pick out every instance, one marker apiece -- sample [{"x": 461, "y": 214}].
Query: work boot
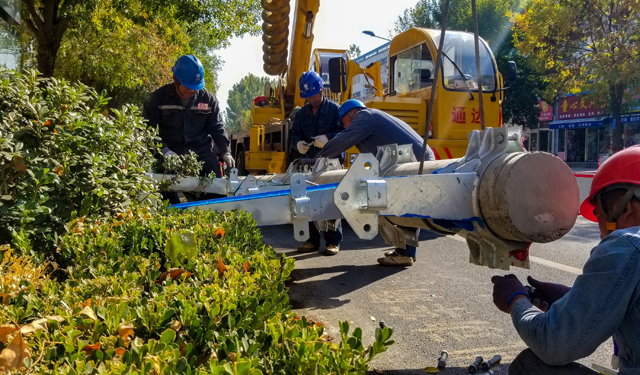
[
  {"x": 308, "y": 247},
  {"x": 332, "y": 249},
  {"x": 396, "y": 260},
  {"x": 392, "y": 253}
]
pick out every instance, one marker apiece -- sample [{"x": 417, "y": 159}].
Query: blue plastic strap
[{"x": 514, "y": 295}]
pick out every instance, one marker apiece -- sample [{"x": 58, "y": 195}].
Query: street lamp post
[{"x": 370, "y": 33}]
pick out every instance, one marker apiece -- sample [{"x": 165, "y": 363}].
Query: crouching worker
[{"x": 560, "y": 324}]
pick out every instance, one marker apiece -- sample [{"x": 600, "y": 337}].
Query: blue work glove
[
  {"x": 545, "y": 294},
  {"x": 505, "y": 291}
]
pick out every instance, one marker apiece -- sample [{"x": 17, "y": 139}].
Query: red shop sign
[
  {"x": 571, "y": 107},
  {"x": 546, "y": 111}
]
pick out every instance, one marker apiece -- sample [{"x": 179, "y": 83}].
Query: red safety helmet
[{"x": 621, "y": 168}]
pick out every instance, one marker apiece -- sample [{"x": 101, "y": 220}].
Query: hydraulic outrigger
[{"x": 499, "y": 197}]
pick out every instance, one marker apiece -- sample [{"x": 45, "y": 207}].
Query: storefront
[
  {"x": 581, "y": 141},
  {"x": 581, "y": 133},
  {"x": 539, "y": 138}
]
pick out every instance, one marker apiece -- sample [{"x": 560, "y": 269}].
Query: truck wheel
[{"x": 240, "y": 164}]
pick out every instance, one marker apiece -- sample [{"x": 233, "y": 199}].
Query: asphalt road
[{"x": 441, "y": 302}]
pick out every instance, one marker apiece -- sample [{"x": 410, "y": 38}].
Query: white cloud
[{"x": 338, "y": 24}]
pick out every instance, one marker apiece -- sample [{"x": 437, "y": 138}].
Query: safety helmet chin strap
[{"x": 611, "y": 219}]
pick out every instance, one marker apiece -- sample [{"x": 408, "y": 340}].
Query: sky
[{"x": 338, "y": 24}]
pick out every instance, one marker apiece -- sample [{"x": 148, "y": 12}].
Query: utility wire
[{"x": 443, "y": 28}]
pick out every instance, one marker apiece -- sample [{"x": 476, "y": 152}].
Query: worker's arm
[
  {"x": 215, "y": 127},
  {"x": 590, "y": 313},
  {"x": 361, "y": 127}
]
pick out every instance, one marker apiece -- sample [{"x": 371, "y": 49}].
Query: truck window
[
  {"x": 460, "y": 48},
  {"x": 412, "y": 69}
]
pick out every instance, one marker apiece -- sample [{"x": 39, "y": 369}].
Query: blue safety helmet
[
  {"x": 189, "y": 71},
  {"x": 310, "y": 84},
  {"x": 349, "y": 105}
]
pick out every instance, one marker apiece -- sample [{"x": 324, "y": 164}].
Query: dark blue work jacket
[
  {"x": 372, "y": 128},
  {"x": 188, "y": 128},
  {"x": 306, "y": 125}
]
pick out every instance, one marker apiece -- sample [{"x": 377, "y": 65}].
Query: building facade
[{"x": 580, "y": 132}]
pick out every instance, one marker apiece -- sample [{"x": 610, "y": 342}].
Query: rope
[
  {"x": 478, "y": 67},
  {"x": 443, "y": 28}
]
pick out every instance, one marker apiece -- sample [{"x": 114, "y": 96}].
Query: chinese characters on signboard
[
  {"x": 546, "y": 111},
  {"x": 572, "y": 107}
]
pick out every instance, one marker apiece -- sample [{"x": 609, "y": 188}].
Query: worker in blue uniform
[
  {"x": 188, "y": 118},
  {"x": 313, "y": 126},
  {"x": 368, "y": 128}
]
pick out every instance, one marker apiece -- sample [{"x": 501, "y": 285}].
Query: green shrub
[
  {"x": 125, "y": 309},
  {"x": 62, "y": 157}
]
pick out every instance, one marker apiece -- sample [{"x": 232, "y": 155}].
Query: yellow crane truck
[{"x": 266, "y": 146}]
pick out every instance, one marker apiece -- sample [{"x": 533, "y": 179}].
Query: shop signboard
[
  {"x": 578, "y": 106},
  {"x": 546, "y": 111}
]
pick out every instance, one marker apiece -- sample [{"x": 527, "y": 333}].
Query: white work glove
[
  {"x": 303, "y": 147},
  {"x": 320, "y": 140},
  {"x": 167, "y": 152},
  {"x": 229, "y": 160}
]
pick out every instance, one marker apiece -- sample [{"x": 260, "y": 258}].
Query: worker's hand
[
  {"x": 166, "y": 151},
  {"x": 545, "y": 294},
  {"x": 301, "y": 162},
  {"x": 320, "y": 140},
  {"x": 303, "y": 147},
  {"x": 228, "y": 159},
  {"x": 506, "y": 290}
]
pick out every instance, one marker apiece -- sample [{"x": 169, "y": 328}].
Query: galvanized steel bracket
[
  {"x": 300, "y": 206},
  {"x": 391, "y": 155},
  {"x": 359, "y": 197}
]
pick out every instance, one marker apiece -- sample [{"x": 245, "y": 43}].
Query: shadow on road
[{"x": 310, "y": 290}]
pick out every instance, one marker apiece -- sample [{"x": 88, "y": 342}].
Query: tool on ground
[
  {"x": 442, "y": 361},
  {"x": 475, "y": 366},
  {"x": 486, "y": 365}
]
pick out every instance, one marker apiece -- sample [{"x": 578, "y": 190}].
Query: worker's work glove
[
  {"x": 301, "y": 162},
  {"x": 303, "y": 147},
  {"x": 320, "y": 140},
  {"x": 166, "y": 151},
  {"x": 545, "y": 294},
  {"x": 228, "y": 160},
  {"x": 505, "y": 291}
]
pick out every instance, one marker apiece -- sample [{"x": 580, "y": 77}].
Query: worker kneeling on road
[
  {"x": 561, "y": 324},
  {"x": 314, "y": 125},
  {"x": 188, "y": 117},
  {"x": 368, "y": 128}
]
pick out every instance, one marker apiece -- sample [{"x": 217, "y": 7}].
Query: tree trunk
[
  {"x": 616, "y": 92},
  {"x": 47, "y": 28}
]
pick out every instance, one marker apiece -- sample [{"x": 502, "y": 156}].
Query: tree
[
  {"x": 585, "y": 46},
  {"x": 238, "y": 112},
  {"x": 128, "y": 46},
  {"x": 354, "y": 50},
  {"x": 494, "y": 26}
]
